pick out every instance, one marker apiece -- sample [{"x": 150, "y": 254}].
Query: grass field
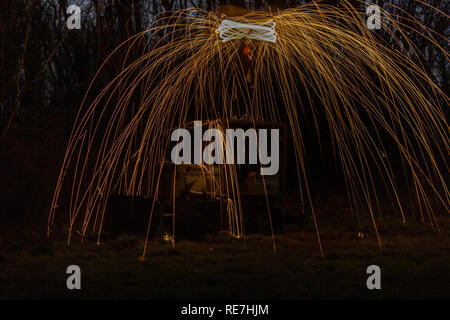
[{"x": 415, "y": 263}]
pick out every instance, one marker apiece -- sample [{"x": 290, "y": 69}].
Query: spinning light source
[{"x": 232, "y": 30}]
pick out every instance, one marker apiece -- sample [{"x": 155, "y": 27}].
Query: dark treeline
[
  {"x": 44, "y": 66},
  {"x": 45, "y": 70}
]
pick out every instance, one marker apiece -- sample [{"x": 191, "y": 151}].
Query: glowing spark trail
[{"x": 192, "y": 68}]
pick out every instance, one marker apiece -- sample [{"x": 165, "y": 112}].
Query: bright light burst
[{"x": 366, "y": 90}]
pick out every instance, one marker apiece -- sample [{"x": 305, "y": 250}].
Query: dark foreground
[{"x": 415, "y": 263}]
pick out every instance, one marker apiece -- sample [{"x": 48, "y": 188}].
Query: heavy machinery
[{"x": 235, "y": 198}]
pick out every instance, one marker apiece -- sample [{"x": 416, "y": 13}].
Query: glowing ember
[{"x": 327, "y": 51}]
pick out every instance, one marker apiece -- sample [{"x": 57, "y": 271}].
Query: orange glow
[{"x": 355, "y": 77}]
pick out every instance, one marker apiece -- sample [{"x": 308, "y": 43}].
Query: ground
[{"x": 415, "y": 263}]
